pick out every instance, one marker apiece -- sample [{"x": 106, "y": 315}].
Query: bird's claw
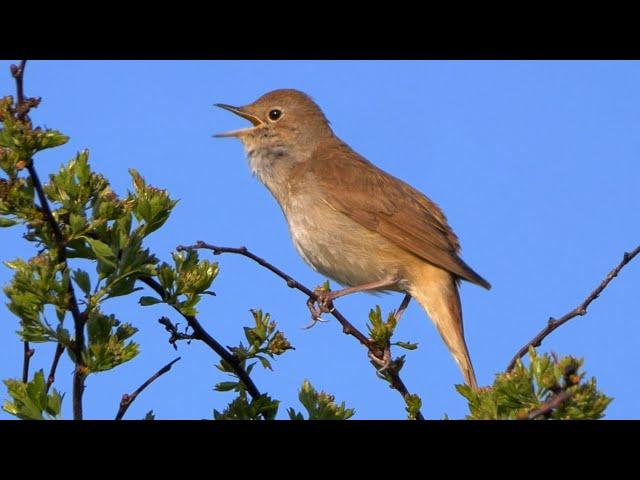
[
  {"x": 324, "y": 300},
  {"x": 314, "y": 320},
  {"x": 383, "y": 362},
  {"x": 316, "y": 313}
]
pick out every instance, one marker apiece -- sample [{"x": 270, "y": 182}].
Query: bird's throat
[{"x": 272, "y": 165}]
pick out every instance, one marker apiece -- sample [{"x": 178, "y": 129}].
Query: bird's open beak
[{"x": 242, "y": 113}]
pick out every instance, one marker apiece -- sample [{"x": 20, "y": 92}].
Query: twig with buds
[
  {"x": 127, "y": 399},
  {"x": 580, "y": 310},
  {"x": 347, "y": 327},
  {"x": 23, "y": 106}
]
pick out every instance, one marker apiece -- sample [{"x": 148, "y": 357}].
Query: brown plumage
[
  {"x": 350, "y": 220},
  {"x": 387, "y": 205}
]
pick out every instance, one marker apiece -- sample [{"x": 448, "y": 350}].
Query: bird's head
[{"x": 285, "y": 114}]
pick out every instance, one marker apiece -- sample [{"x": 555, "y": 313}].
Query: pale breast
[
  {"x": 330, "y": 242},
  {"x": 339, "y": 248}
]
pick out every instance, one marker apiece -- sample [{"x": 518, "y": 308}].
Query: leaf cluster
[
  {"x": 527, "y": 388},
  {"x": 31, "y": 401},
  {"x": 381, "y": 331},
  {"x": 184, "y": 283},
  {"x": 89, "y": 222},
  {"x": 319, "y": 405},
  {"x": 263, "y": 340}
]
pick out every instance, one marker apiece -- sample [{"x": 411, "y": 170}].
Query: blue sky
[{"x": 535, "y": 163}]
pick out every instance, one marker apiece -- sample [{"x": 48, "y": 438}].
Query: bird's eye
[{"x": 275, "y": 114}]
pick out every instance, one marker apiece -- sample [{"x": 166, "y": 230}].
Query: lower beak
[{"x": 240, "y": 112}]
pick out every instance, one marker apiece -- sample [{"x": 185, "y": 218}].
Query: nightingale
[{"x": 350, "y": 220}]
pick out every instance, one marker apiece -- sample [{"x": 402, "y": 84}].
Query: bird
[{"x": 350, "y": 220}]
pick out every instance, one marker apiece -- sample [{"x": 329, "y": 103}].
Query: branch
[
  {"x": 127, "y": 400},
  {"x": 22, "y": 110},
  {"x": 18, "y": 74},
  {"x": 54, "y": 365},
  {"x": 175, "y": 334},
  {"x": 578, "y": 311},
  {"x": 348, "y": 328},
  {"x": 28, "y": 353},
  {"x": 550, "y": 405},
  {"x": 201, "y": 334}
]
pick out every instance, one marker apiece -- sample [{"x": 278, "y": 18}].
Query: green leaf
[
  {"x": 414, "y": 404},
  {"x": 146, "y": 301},
  {"x": 166, "y": 276},
  {"x": 35, "y": 284},
  {"x": 278, "y": 344},
  {"x": 406, "y": 345},
  {"x": 30, "y": 401},
  {"x": 321, "y": 405},
  {"x": 82, "y": 279},
  {"x": 5, "y": 222},
  {"x": 77, "y": 223},
  {"x": 293, "y": 415},
  {"x": 515, "y": 394},
  {"x": 379, "y": 330},
  {"x": 103, "y": 253},
  {"x": 152, "y": 205},
  {"x": 225, "y": 386},
  {"x": 106, "y": 347},
  {"x": 241, "y": 409},
  {"x": 265, "y": 363},
  {"x": 50, "y": 139}
]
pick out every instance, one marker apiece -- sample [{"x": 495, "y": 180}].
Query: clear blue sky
[{"x": 536, "y": 164}]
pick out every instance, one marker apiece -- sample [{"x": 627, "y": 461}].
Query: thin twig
[
  {"x": 398, "y": 385},
  {"x": 201, "y": 334},
  {"x": 22, "y": 109},
  {"x": 578, "y": 311},
  {"x": 348, "y": 328},
  {"x": 550, "y": 405},
  {"x": 54, "y": 365},
  {"x": 127, "y": 400},
  {"x": 18, "y": 74},
  {"x": 175, "y": 334},
  {"x": 28, "y": 353}
]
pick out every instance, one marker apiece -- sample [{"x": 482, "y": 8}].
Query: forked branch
[
  {"x": 201, "y": 334},
  {"x": 347, "y": 327},
  {"x": 23, "y": 106}
]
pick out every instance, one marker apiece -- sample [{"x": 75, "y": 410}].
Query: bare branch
[
  {"x": 23, "y": 104},
  {"x": 127, "y": 400},
  {"x": 22, "y": 109},
  {"x": 578, "y": 311},
  {"x": 28, "y": 353},
  {"x": 54, "y": 365},
  {"x": 550, "y": 405},
  {"x": 348, "y": 328},
  {"x": 201, "y": 334},
  {"x": 175, "y": 334}
]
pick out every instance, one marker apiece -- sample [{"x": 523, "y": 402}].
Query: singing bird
[{"x": 350, "y": 220}]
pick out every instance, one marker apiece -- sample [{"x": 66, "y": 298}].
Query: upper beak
[{"x": 242, "y": 113}]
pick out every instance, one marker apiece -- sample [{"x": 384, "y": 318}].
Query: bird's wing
[{"x": 386, "y": 205}]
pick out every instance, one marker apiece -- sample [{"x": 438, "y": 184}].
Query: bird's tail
[{"x": 437, "y": 291}]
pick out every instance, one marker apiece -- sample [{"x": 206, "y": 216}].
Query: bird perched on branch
[{"x": 350, "y": 220}]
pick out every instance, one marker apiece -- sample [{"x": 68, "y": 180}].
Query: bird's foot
[
  {"x": 324, "y": 301},
  {"x": 316, "y": 312},
  {"x": 383, "y": 362}
]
